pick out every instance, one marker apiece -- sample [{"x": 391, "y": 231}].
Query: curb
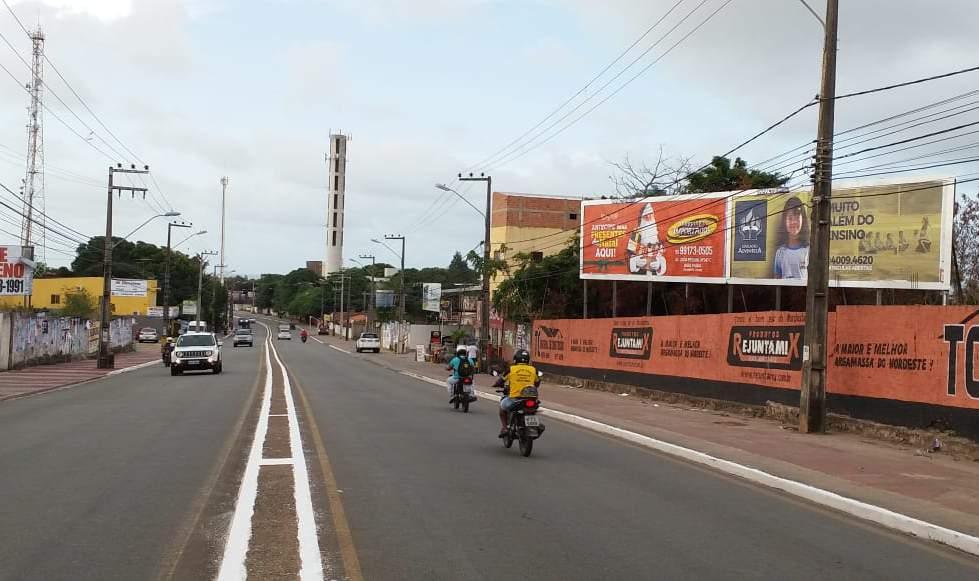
[{"x": 862, "y": 510}]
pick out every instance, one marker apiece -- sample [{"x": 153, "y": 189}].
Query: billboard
[
  {"x": 431, "y": 296},
  {"x": 668, "y": 238},
  {"x": 881, "y": 236},
  {"x": 16, "y": 271},
  {"x": 128, "y": 287},
  {"x": 384, "y": 299}
]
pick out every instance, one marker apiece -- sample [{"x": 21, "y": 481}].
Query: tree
[
  {"x": 459, "y": 271},
  {"x": 549, "y": 288},
  {"x": 662, "y": 177},
  {"x": 965, "y": 245},
  {"x": 79, "y": 304},
  {"x": 721, "y": 176}
]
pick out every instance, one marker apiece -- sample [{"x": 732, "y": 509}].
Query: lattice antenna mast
[{"x": 34, "y": 178}]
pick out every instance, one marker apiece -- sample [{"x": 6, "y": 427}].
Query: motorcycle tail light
[{"x": 531, "y": 403}]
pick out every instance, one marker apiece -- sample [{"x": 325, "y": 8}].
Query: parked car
[
  {"x": 369, "y": 342},
  {"x": 322, "y": 330},
  {"x": 244, "y": 337},
  {"x": 148, "y": 335},
  {"x": 196, "y": 352}
]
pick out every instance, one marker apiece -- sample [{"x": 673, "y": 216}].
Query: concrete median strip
[
  {"x": 242, "y": 533},
  {"x": 886, "y": 518}
]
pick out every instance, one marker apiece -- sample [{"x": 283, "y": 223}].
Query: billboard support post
[
  {"x": 812, "y": 403},
  {"x": 649, "y": 298},
  {"x": 584, "y": 298},
  {"x": 615, "y": 298}
]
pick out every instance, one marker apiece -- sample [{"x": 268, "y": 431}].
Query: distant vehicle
[
  {"x": 284, "y": 333},
  {"x": 244, "y": 323},
  {"x": 197, "y": 327},
  {"x": 196, "y": 352},
  {"x": 148, "y": 335},
  {"x": 322, "y": 330},
  {"x": 369, "y": 342},
  {"x": 244, "y": 337}
]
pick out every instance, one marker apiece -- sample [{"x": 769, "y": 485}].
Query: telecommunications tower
[{"x": 33, "y": 190}]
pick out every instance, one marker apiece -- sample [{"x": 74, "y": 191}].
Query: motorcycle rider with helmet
[
  {"x": 460, "y": 365},
  {"x": 520, "y": 376}
]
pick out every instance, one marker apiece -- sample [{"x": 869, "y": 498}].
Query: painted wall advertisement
[
  {"x": 673, "y": 238},
  {"x": 128, "y": 287},
  {"x": 431, "y": 296},
  {"x": 928, "y": 358},
  {"x": 16, "y": 271},
  {"x": 881, "y": 236}
]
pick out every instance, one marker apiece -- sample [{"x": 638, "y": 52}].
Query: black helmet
[{"x": 521, "y": 356}]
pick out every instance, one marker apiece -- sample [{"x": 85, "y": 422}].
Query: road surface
[{"x": 137, "y": 476}]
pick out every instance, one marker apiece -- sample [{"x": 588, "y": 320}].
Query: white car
[
  {"x": 369, "y": 342},
  {"x": 284, "y": 334},
  {"x": 196, "y": 352},
  {"x": 148, "y": 335}
]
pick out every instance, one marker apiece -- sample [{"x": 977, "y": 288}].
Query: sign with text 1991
[{"x": 16, "y": 271}]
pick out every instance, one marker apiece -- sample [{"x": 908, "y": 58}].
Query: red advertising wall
[{"x": 910, "y": 354}]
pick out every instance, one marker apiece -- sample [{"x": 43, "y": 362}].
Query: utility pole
[
  {"x": 401, "y": 307},
  {"x": 34, "y": 179},
  {"x": 812, "y": 404},
  {"x": 371, "y": 306},
  {"x": 106, "y": 359},
  {"x": 484, "y": 310},
  {"x": 166, "y": 275},
  {"x": 200, "y": 281},
  {"x": 224, "y": 190}
]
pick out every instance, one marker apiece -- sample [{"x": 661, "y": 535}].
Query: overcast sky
[{"x": 252, "y": 88}]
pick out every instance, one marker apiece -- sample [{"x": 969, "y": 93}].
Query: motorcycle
[
  {"x": 303, "y": 337},
  {"x": 463, "y": 396},
  {"x": 523, "y": 425},
  {"x": 166, "y": 356}
]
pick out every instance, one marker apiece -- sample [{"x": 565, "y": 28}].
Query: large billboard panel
[
  {"x": 16, "y": 271},
  {"x": 674, "y": 238},
  {"x": 431, "y": 296},
  {"x": 881, "y": 236}
]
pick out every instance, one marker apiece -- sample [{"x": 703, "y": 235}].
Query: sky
[{"x": 251, "y": 89}]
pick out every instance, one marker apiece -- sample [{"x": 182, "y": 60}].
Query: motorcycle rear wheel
[
  {"x": 526, "y": 446},
  {"x": 465, "y": 403},
  {"x": 508, "y": 440}
]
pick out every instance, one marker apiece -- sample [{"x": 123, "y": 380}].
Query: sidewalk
[
  {"x": 935, "y": 488},
  {"x": 40, "y": 378}
]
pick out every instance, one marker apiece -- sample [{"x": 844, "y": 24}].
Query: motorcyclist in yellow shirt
[{"x": 520, "y": 376}]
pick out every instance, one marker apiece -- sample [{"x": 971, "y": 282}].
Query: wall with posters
[
  {"x": 31, "y": 339},
  {"x": 901, "y": 365},
  {"x": 882, "y": 236}
]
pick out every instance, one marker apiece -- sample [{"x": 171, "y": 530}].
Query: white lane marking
[
  {"x": 862, "y": 510},
  {"x": 240, "y": 532},
  {"x": 135, "y": 367},
  {"x": 317, "y": 340},
  {"x": 278, "y": 462},
  {"x": 339, "y": 349},
  {"x": 278, "y": 415},
  {"x": 311, "y": 564}
]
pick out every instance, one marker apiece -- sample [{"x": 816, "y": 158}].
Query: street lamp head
[
  {"x": 171, "y": 214},
  {"x": 442, "y": 187},
  {"x": 375, "y": 241},
  {"x": 201, "y": 232}
]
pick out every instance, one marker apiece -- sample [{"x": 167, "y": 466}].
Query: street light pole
[
  {"x": 106, "y": 359},
  {"x": 371, "y": 311},
  {"x": 484, "y": 311},
  {"x": 200, "y": 282},
  {"x": 401, "y": 307},
  {"x": 166, "y": 275}
]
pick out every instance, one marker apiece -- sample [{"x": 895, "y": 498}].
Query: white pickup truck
[{"x": 369, "y": 342}]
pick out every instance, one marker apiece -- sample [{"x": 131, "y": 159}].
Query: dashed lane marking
[{"x": 340, "y": 349}]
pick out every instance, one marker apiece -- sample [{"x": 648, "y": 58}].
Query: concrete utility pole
[
  {"x": 106, "y": 359},
  {"x": 371, "y": 308},
  {"x": 401, "y": 307},
  {"x": 812, "y": 405},
  {"x": 166, "y": 275},
  {"x": 200, "y": 282},
  {"x": 484, "y": 311},
  {"x": 224, "y": 191}
]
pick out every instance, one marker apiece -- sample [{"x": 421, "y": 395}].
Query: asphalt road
[
  {"x": 101, "y": 481},
  {"x": 107, "y": 480},
  {"x": 432, "y": 494}
]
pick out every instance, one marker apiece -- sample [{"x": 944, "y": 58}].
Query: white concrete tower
[{"x": 337, "y": 160}]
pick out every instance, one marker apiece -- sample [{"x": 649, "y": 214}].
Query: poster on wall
[
  {"x": 128, "y": 287},
  {"x": 431, "y": 296},
  {"x": 16, "y": 271},
  {"x": 881, "y": 236},
  {"x": 668, "y": 238}
]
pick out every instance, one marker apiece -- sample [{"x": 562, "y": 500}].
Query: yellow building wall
[
  {"x": 511, "y": 237},
  {"x": 50, "y": 293}
]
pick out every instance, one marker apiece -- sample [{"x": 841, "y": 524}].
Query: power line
[{"x": 907, "y": 83}]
